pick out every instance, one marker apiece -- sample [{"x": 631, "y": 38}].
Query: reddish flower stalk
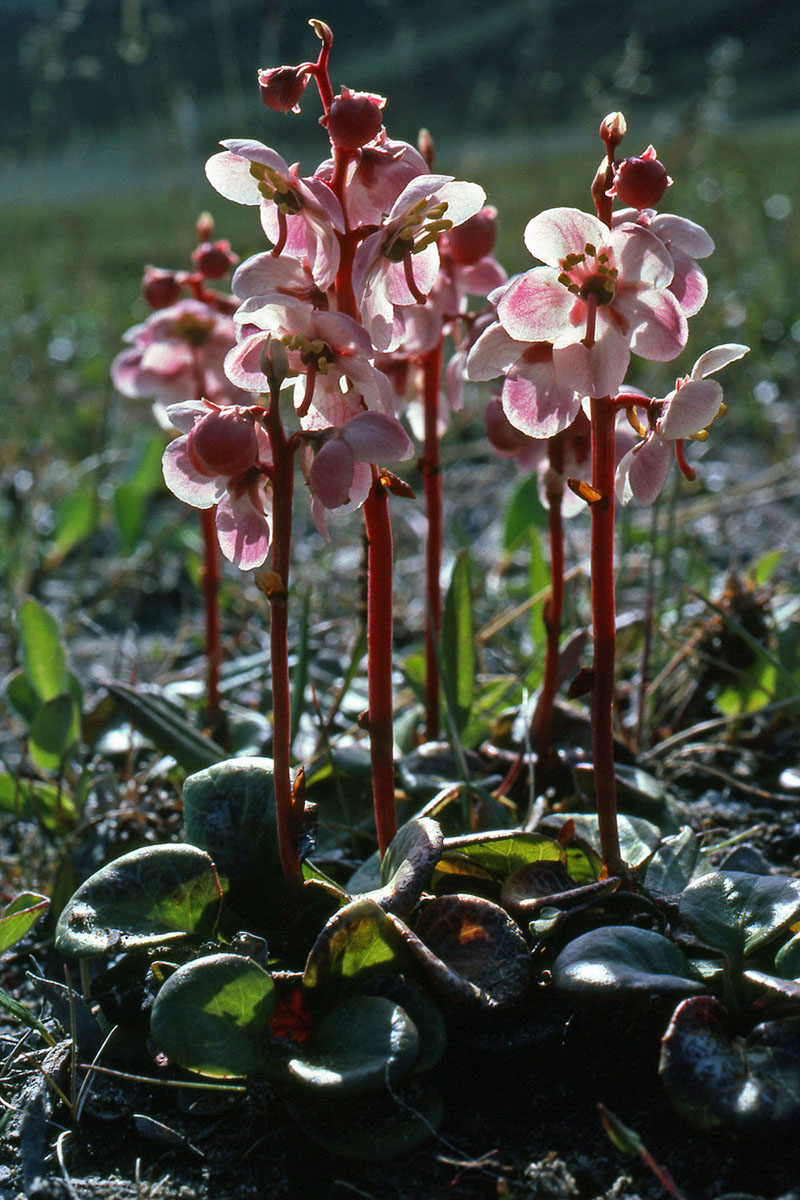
[
  {"x": 379, "y": 659},
  {"x": 553, "y": 613},
  {"x": 277, "y": 589},
  {"x": 432, "y": 477},
  {"x": 212, "y": 575},
  {"x": 603, "y": 417}
]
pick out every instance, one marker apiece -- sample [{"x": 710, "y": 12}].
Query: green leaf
[
  {"x": 408, "y": 865},
  {"x": 150, "y": 897},
  {"x": 503, "y": 853},
  {"x": 358, "y": 941},
  {"x": 787, "y": 960},
  {"x": 42, "y": 654},
  {"x": 765, "y": 565},
  {"x": 164, "y": 723},
  {"x": 371, "y": 1127},
  {"x": 459, "y": 663},
  {"x": 736, "y": 912},
  {"x": 54, "y": 731},
  {"x": 673, "y": 863},
  {"x": 130, "y": 498},
  {"x": 525, "y": 510},
  {"x": 18, "y": 916},
  {"x": 20, "y": 1013},
  {"x": 300, "y": 672},
  {"x": 614, "y": 960},
  {"x": 77, "y": 520},
  {"x": 359, "y": 1045},
  {"x": 212, "y": 1016},
  {"x": 638, "y": 838},
  {"x": 21, "y": 696}
]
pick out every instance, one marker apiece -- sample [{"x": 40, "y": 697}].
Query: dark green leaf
[
  {"x": 736, "y": 912},
  {"x": 359, "y": 1045},
  {"x": 524, "y": 510},
  {"x": 357, "y": 942},
  {"x": 165, "y": 725},
  {"x": 21, "y": 696},
  {"x": 212, "y": 1016},
  {"x": 613, "y": 960}
]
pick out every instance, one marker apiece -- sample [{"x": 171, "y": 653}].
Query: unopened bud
[
  {"x": 322, "y": 31},
  {"x": 505, "y": 437},
  {"x": 354, "y": 119},
  {"x": 224, "y": 443},
  {"x": 214, "y": 259},
  {"x": 473, "y": 239},
  {"x": 426, "y": 147},
  {"x": 612, "y": 130},
  {"x": 640, "y": 182},
  {"x": 204, "y": 227},
  {"x": 282, "y": 87},
  {"x": 160, "y": 288}
]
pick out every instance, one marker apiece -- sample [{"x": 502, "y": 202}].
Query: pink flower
[
  {"x": 223, "y": 457},
  {"x": 626, "y": 271},
  {"x": 398, "y": 265},
  {"x": 687, "y": 412},
  {"x": 686, "y": 242},
  {"x": 178, "y": 354},
  {"x": 301, "y": 217},
  {"x": 340, "y": 473},
  {"x": 330, "y": 352},
  {"x": 376, "y": 175}
]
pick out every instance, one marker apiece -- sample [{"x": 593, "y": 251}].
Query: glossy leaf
[
  {"x": 502, "y": 853},
  {"x": 150, "y": 897},
  {"x": 787, "y": 960},
  {"x": 357, "y": 942},
  {"x": 673, "y": 864},
  {"x": 212, "y": 1016},
  {"x": 408, "y": 865},
  {"x": 19, "y": 915},
  {"x": 359, "y": 1045},
  {"x": 736, "y": 912},
  {"x": 618, "y": 959},
  {"x": 166, "y": 726},
  {"x": 638, "y": 838},
  {"x": 718, "y": 1080}
]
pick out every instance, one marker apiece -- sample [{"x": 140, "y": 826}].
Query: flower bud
[
  {"x": 282, "y": 87},
  {"x": 160, "y": 288},
  {"x": 223, "y": 443},
  {"x": 214, "y": 259},
  {"x": 640, "y": 182},
  {"x": 354, "y": 118},
  {"x": 204, "y": 227},
  {"x": 612, "y": 130},
  {"x": 426, "y": 147},
  {"x": 273, "y": 362},
  {"x": 473, "y": 239}
]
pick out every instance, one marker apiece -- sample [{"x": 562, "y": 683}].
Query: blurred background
[{"x": 109, "y": 108}]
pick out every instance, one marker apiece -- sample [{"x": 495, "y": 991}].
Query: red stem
[
  {"x": 430, "y": 465},
  {"x": 379, "y": 659},
  {"x": 604, "y": 624},
  {"x": 553, "y": 611},
  {"x": 211, "y": 575},
  {"x": 282, "y": 483}
]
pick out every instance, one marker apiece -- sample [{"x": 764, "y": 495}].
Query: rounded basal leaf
[
  {"x": 18, "y": 916},
  {"x": 426, "y": 1015},
  {"x": 736, "y": 912},
  {"x": 502, "y": 853},
  {"x": 146, "y": 898},
  {"x": 211, "y": 1016},
  {"x": 637, "y": 838},
  {"x": 357, "y": 942},
  {"x": 717, "y": 1080},
  {"x": 477, "y": 943},
  {"x": 362, "y": 1044},
  {"x": 673, "y": 863},
  {"x": 524, "y": 890},
  {"x": 229, "y": 811},
  {"x": 616, "y": 959},
  {"x": 373, "y": 1127},
  {"x": 787, "y": 960},
  {"x": 408, "y": 865}
]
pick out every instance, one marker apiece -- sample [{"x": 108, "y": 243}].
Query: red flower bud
[
  {"x": 214, "y": 259},
  {"x": 640, "y": 182},
  {"x": 160, "y": 288},
  {"x": 471, "y": 241},
  {"x": 223, "y": 443},
  {"x": 282, "y": 87},
  {"x": 354, "y": 119}
]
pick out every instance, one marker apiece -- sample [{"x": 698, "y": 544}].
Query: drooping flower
[
  {"x": 640, "y": 181},
  {"x": 687, "y": 412},
  {"x": 178, "y": 354},
  {"x": 330, "y": 352},
  {"x": 686, "y": 242},
  {"x": 301, "y": 217},
  {"x": 398, "y": 264},
  {"x": 223, "y": 458},
  {"x": 354, "y": 119},
  {"x": 625, "y": 272},
  {"x": 376, "y": 175},
  {"x": 339, "y": 474}
]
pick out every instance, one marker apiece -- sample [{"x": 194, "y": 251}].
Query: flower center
[
  {"x": 421, "y": 227},
  {"x": 589, "y": 274},
  {"x": 276, "y": 187},
  {"x": 313, "y": 351},
  {"x": 194, "y": 330}
]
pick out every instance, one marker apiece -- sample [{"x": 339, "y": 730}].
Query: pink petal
[
  {"x": 717, "y": 358},
  {"x": 659, "y": 329},
  {"x": 595, "y": 371},
  {"x": 643, "y": 471},
  {"x": 689, "y": 285},
  {"x": 561, "y": 231},
  {"x": 693, "y": 407},
  {"x": 537, "y": 405},
  {"x": 185, "y": 481},
  {"x": 640, "y": 256},
  {"x": 375, "y": 437},
  {"x": 185, "y": 416},
  {"x": 331, "y": 473},
  {"x": 126, "y": 372},
  {"x": 243, "y": 531},
  {"x": 463, "y": 200},
  {"x": 415, "y": 190},
  {"x": 536, "y": 307},
  {"x": 481, "y": 278},
  {"x": 692, "y": 239},
  {"x": 493, "y": 353}
]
